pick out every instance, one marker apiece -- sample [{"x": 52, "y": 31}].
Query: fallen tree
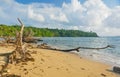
[
  {"x": 44, "y": 46},
  {"x": 20, "y": 54}
]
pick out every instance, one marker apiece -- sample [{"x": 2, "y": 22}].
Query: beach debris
[
  {"x": 11, "y": 75},
  {"x": 4, "y": 63},
  {"x": 7, "y": 39},
  {"x": 116, "y": 69},
  {"x": 44, "y": 46},
  {"x": 28, "y": 37},
  {"x": 20, "y": 54}
]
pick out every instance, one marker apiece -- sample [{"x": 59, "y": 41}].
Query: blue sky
[
  {"x": 110, "y": 3},
  {"x": 55, "y": 2},
  {"x": 100, "y": 16}
]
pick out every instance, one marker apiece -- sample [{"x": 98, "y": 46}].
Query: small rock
[{"x": 116, "y": 69}]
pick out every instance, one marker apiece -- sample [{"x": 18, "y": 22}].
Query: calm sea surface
[{"x": 109, "y": 55}]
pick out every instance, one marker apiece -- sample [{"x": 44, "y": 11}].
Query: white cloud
[
  {"x": 35, "y": 16},
  {"x": 114, "y": 19},
  {"x": 11, "y": 10},
  {"x": 75, "y": 5},
  {"x": 60, "y": 17},
  {"x": 92, "y": 15},
  {"x": 96, "y": 12}
]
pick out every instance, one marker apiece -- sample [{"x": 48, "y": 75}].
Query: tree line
[{"x": 10, "y": 30}]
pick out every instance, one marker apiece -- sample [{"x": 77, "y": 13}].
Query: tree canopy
[{"x": 10, "y": 30}]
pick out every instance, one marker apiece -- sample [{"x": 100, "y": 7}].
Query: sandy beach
[{"x": 49, "y": 63}]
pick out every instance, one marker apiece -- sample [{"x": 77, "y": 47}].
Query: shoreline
[
  {"x": 101, "y": 58},
  {"x": 50, "y": 63}
]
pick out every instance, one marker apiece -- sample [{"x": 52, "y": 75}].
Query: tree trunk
[
  {"x": 44, "y": 46},
  {"x": 20, "y": 47},
  {"x": 19, "y": 36}
]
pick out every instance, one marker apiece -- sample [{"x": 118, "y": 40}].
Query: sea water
[{"x": 108, "y": 55}]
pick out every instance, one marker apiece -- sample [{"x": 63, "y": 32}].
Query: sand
[{"x": 49, "y": 63}]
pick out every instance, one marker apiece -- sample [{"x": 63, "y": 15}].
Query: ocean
[{"x": 108, "y": 55}]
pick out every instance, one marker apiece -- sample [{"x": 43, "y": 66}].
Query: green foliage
[{"x": 44, "y": 32}]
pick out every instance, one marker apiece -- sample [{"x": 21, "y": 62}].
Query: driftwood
[
  {"x": 31, "y": 40},
  {"x": 7, "y": 39},
  {"x": 10, "y": 75},
  {"x": 44, "y": 46},
  {"x": 6, "y": 54},
  {"x": 108, "y": 46},
  {"x": 5, "y": 62},
  {"x": 7, "y": 59},
  {"x": 28, "y": 37},
  {"x": 20, "y": 54},
  {"x": 20, "y": 47},
  {"x": 19, "y": 51},
  {"x": 68, "y": 50}
]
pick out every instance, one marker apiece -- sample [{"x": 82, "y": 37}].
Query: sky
[{"x": 100, "y": 16}]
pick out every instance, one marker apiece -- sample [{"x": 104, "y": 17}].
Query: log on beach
[
  {"x": 45, "y": 46},
  {"x": 67, "y": 50}
]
